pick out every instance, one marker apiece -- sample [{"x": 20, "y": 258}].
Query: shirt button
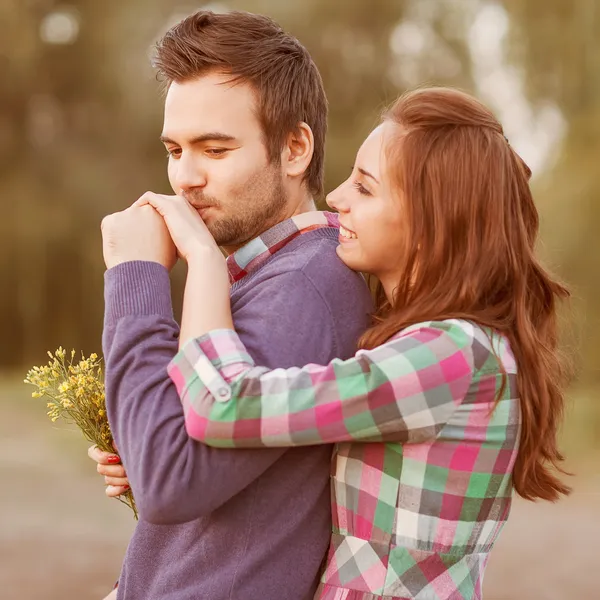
[{"x": 224, "y": 394}]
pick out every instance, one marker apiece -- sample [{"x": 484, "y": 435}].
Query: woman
[{"x": 455, "y": 397}]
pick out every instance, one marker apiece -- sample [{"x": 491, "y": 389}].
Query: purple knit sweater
[{"x": 220, "y": 524}]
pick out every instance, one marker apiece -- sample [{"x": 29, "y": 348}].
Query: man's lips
[{"x": 202, "y": 209}]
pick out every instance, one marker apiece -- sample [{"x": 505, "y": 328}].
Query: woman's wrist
[
  {"x": 205, "y": 255},
  {"x": 206, "y": 304}
]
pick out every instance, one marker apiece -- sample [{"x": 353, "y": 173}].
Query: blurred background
[{"x": 80, "y": 116}]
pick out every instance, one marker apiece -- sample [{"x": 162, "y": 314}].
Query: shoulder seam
[
  {"x": 319, "y": 242},
  {"x": 326, "y": 304}
]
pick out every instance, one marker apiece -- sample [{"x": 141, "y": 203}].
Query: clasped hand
[{"x": 157, "y": 228}]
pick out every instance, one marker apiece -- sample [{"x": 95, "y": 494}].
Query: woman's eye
[{"x": 361, "y": 189}]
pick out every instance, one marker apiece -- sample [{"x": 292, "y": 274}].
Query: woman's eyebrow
[{"x": 367, "y": 174}]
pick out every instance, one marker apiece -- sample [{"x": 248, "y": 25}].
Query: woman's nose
[{"x": 335, "y": 199}]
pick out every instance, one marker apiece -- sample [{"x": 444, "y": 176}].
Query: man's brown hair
[{"x": 253, "y": 49}]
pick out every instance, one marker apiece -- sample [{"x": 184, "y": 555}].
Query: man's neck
[{"x": 306, "y": 205}]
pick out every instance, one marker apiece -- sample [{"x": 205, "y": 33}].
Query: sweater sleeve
[{"x": 174, "y": 478}]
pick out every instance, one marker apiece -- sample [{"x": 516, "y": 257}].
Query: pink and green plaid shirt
[{"x": 421, "y": 473}]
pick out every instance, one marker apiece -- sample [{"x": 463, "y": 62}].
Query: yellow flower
[
  {"x": 36, "y": 395},
  {"x": 101, "y": 412},
  {"x": 64, "y": 387}
]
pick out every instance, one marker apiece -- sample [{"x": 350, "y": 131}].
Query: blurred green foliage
[{"x": 80, "y": 116}]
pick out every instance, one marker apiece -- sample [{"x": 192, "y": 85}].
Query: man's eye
[
  {"x": 216, "y": 151},
  {"x": 174, "y": 152}
]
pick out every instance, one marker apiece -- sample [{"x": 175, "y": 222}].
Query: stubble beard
[{"x": 256, "y": 206}]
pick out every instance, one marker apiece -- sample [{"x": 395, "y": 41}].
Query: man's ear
[{"x": 298, "y": 151}]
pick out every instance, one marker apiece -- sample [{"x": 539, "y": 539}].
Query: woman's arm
[
  {"x": 206, "y": 303},
  {"x": 402, "y": 391}
]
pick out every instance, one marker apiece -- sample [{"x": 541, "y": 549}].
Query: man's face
[{"x": 218, "y": 160}]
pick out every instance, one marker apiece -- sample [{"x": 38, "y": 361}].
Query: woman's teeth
[{"x": 347, "y": 234}]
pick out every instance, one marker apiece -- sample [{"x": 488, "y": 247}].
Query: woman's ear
[{"x": 298, "y": 151}]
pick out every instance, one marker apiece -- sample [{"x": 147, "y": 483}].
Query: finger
[
  {"x": 104, "y": 458},
  {"x": 112, "y": 595},
  {"x": 113, "y": 491},
  {"x": 111, "y": 471},
  {"x": 159, "y": 202},
  {"x": 144, "y": 199},
  {"x": 117, "y": 481}
]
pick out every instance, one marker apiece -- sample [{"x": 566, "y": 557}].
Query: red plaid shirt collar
[{"x": 251, "y": 256}]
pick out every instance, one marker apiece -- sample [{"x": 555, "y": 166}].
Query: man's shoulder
[
  {"x": 310, "y": 262},
  {"x": 328, "y": 273},
  {"x": 306, "y": 292},
  {"x": 313, "y": 255}
]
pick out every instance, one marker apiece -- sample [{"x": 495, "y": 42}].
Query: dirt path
[{"x": 60, "y": 538}]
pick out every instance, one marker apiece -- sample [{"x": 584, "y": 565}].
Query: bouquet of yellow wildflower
[{"x": 75, "y": 393}]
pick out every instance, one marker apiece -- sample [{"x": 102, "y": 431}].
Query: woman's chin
[{"x": 349, "y": 258}]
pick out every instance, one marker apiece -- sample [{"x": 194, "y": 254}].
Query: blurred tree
[
  {"x": 70, "y": 153},
  {"x": 80, "y": 114},
  {"x": 557, "y": 44}
]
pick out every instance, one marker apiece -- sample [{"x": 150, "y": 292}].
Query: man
[{"x": 244, "y": 127}]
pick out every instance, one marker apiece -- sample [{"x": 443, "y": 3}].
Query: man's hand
[
  {"x": 138, "y": 233},
  {"x": 187, "y": 229},
  {"x": 110, "y": 466}
]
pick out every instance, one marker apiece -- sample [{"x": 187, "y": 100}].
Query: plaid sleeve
[{"x": 404, "y": 390}]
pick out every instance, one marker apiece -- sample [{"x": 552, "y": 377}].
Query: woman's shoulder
[{"x": 486, "y": 346}]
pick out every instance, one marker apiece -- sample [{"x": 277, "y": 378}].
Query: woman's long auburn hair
[{"x": 470, "y": 231}]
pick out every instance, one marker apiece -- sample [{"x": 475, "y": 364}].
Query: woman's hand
[
  {"x": 206, "y": 299},
  {"x": 188, "y": 231},
  {"x": 110, "y": 466}
]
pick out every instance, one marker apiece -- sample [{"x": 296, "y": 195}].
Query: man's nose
[{"x": 188, "y": 174}]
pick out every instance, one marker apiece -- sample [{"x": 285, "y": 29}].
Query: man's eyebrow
[
  {"x": 212, "y": 136},
  {"x": 367, "y": 174}
]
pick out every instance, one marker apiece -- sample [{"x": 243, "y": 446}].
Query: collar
[{"x": 252, "y": 255}]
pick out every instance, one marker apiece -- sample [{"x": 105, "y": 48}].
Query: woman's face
[{"x": 370, "y": 219}]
